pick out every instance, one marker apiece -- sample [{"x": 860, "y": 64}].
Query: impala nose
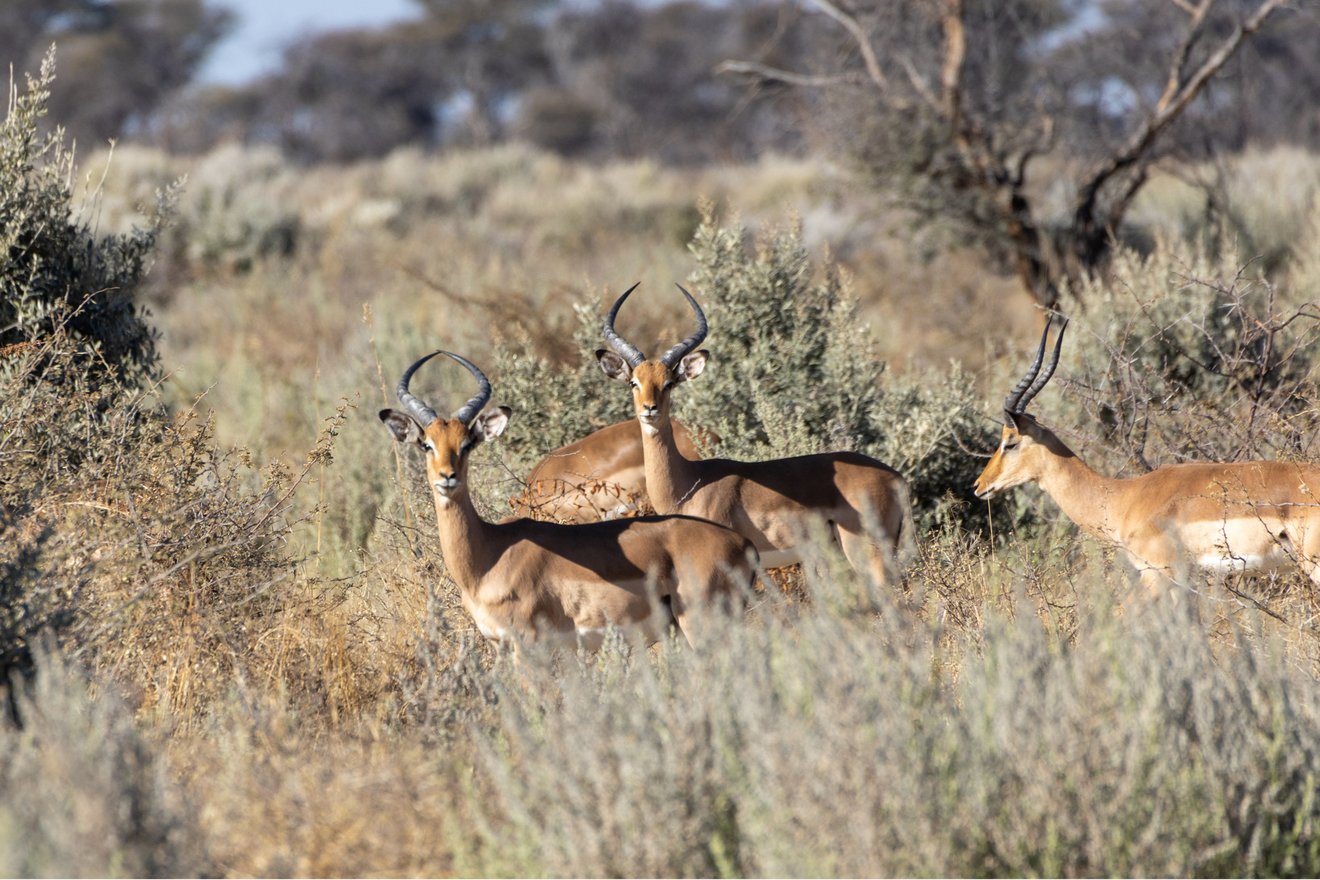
[{"x": 446, "y": 483}]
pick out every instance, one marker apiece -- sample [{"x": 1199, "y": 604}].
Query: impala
[
  {"x": 773, "y": 502},
  {"x": 533, "y": 579},
  {"x": 597, "y": 477},
  {"x": 1237, "y": 516}
]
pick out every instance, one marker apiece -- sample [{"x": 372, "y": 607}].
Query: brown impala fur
[
  {"x": 771, "y": 502},
  {"x": 538, "y": 579},
  {"x": 597, "y": 477},
  {"x": 1238, "y": 516}
]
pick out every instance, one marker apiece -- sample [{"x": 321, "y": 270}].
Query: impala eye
[
  {"x": 1011, "y": 444},
  {"x": 634, "y": 383},
  {"x": 669, "y": 383}
]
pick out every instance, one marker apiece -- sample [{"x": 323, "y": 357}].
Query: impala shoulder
[{"x": 857, "y": 459}]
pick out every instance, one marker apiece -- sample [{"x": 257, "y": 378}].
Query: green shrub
[
  {"x": 792, "y": 372},
  {"x": 238, "y": 210},
  {"x": 554, "y": 405},
  {"x": 55, "y": 274},
  {"x": 125, "y": 534}
]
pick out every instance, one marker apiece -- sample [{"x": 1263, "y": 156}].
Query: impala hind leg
[
  {"x": 869, "y": 557},
  {"x": 683, "y": 619},
  {"x": 1307, "y": 548},
  {"x": 702, "y": 596},
  {"x": 1175, "y": 585}
]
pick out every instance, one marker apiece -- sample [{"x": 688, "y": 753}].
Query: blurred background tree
[
  {"x": 623, "y": 78},
  {"x": 952, "y": 103},
  {"x": 1022, "y": 127},
  {"x": 118, "y": 61}
]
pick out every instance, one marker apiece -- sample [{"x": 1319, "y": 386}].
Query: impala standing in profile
[
  {"x": 1238, "y": 516},
  {"x": 539, "y": 579},
  {"x": 598, "y": 477},
  {"x": 771, "y": 502}
]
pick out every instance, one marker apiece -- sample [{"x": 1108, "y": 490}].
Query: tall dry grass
[{"x": 234, "y": 649}]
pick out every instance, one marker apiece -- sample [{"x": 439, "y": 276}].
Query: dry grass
[{"x": 260, "y": 667}]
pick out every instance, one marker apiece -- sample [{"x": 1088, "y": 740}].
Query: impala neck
[
  {"x": 1086, "y": 497},
  {"x": 670, "y": 478},
  {"x": 463, "y": 538}
]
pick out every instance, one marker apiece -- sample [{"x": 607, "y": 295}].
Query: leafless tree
[{"x": 946, "y": 86}]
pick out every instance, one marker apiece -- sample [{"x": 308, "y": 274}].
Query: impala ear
[
  {"x": 1019, "y": 422},
  {"x": 691, "y": 366},
  {"x": 403, "y": 426},
  {"x": 614, "y": 366},
  {"x": 491, "y": 423}
]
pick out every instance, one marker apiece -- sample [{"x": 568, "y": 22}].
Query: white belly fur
[
  {"x": 1239, "y": 544},
  {"x": 779, "y": 558},
  {"x": 1229, "y": 564},
  {"x": 589, "y": 633}
]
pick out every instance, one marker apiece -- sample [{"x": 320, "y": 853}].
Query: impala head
[
  {"x": 652, "y": 380},
  {"x": 1024, "y": 445},
  {"x": 446, "y": 442}
]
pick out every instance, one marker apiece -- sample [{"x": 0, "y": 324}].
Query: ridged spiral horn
[
  {"x": 1031, "y": 383},
  {"x": 1049, "y": 369},
  {"x": 622, "y": 347},
  {"x": 420, "y": 411},
  {"x": 469, "y": 411},
  {"x": 678, "y": 352}
]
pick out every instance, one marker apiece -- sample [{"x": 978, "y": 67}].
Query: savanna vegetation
[{"x": 231, "y": 645}]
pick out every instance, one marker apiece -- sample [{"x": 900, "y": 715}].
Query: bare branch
[
  {"x": 1184, "y": 6},
  {"x": 919, "y": 85},
  {"x": 1178, "y": 68},
  {"x": 1138, "y": 145},
  {"x": 859, "y": 36},
  {"x": 774, "y": 74},
  {"x": 1042, "y": 143},
  {"x": 955, "y": 56}
]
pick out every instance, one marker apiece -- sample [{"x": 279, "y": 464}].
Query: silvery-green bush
[
  {"x": 56, "y": 274},
  {"x": 83, "y": 792},
  {"x": 838, "y": 743},
  {"x": 234, "y": 214},
  {"x": 792, "y": 371}
]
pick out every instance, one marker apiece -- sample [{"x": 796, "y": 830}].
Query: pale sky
[{"x": 265, "y": 26}]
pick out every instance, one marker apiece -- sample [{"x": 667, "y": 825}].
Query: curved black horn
[
  {"x": 1015, "y": 396},
  {"x": 420, "y": 411},
  {"x": 621, "y": 346},
  {"x": 676, "y": 353},
  {"x": 1049, "y": 370},
  {"x": 468, "y": 411}
]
